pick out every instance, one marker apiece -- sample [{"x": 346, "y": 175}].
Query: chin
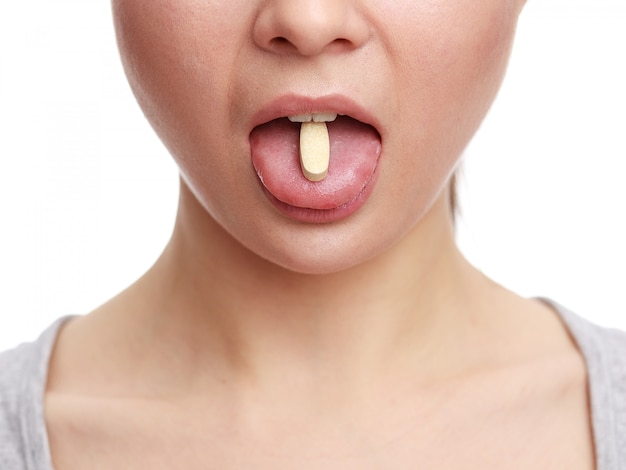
[
  {"x": 320, "y": 250},
  {"x": 320, "y": 264}
]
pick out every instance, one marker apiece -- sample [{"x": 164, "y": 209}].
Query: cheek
[
  {"x": 178, "y": 56},
  {"x": 451, "y": 78},
  {"x": 461, "y": 69}
]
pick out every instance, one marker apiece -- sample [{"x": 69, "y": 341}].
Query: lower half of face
[{"x": 410, "y": 81}]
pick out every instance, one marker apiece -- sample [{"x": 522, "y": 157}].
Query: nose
[{"x": 309, "y": 27}]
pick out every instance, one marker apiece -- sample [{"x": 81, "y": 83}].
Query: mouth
[
  {"x": 352, "y": 149},
  {"x": 299, "y": 108},
  {"x": 350, "y": 144}
]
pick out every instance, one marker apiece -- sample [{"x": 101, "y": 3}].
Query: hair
[{"x": 453, "y": 195}]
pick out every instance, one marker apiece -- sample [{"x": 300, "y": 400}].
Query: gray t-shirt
[{"x": 23, "y": 371}]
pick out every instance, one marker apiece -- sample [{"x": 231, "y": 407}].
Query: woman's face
[{"x": 410, "y": 79}]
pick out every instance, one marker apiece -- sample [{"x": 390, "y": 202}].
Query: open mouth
[{"x": 354, "y": 150}]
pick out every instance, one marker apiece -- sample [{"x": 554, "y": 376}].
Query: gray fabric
[
  {"x": 604, "y": 351},
  {"x": 24, "y": 444},
  {"x": 23, "y": 374}
]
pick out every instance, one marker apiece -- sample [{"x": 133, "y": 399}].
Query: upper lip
[{"x": 293, "y": 105}]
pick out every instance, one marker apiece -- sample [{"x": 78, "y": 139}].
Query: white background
[{"x": 88, "y": 194}]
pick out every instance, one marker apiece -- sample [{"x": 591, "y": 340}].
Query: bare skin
[
  {"x": 488, "y": 380},
  {"x": 257, "y": 341}
]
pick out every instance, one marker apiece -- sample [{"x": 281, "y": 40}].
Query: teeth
[
  {"x": 315, "y": 117},
  {"x": 324, "y": 117},
  {"x": 301, "y": 118}
]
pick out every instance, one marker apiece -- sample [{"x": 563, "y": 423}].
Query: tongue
[{"x": 354, "y": 151}]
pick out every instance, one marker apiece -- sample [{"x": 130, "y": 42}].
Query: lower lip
[{"x": 324, "y": 216}]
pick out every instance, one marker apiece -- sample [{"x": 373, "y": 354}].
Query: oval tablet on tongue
[
  {"x": 354, "y": 151},
  {"x": 314, "y": 150}
]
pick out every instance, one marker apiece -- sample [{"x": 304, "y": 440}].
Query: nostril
[
  {"x": 281, "y": 42},
  {"x": 342, "y": 42},
  {"x": 310, "y": 27}
]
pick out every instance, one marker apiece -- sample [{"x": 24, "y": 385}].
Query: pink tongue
[{"x": 354, "y": 151}]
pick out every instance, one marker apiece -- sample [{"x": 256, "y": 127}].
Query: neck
[{"x": 246, "y": 315}]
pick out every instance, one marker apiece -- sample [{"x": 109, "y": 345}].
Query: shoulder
[
  {"x": 604, "y": 349},
  {"x": 23, "y": 372},
  {"x": 604, "y": 352}
]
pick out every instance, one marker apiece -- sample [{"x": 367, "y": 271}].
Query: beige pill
[{"x": 314, "y": 150}]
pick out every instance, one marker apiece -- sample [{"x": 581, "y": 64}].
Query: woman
[{"x": 333, "y": 323}]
